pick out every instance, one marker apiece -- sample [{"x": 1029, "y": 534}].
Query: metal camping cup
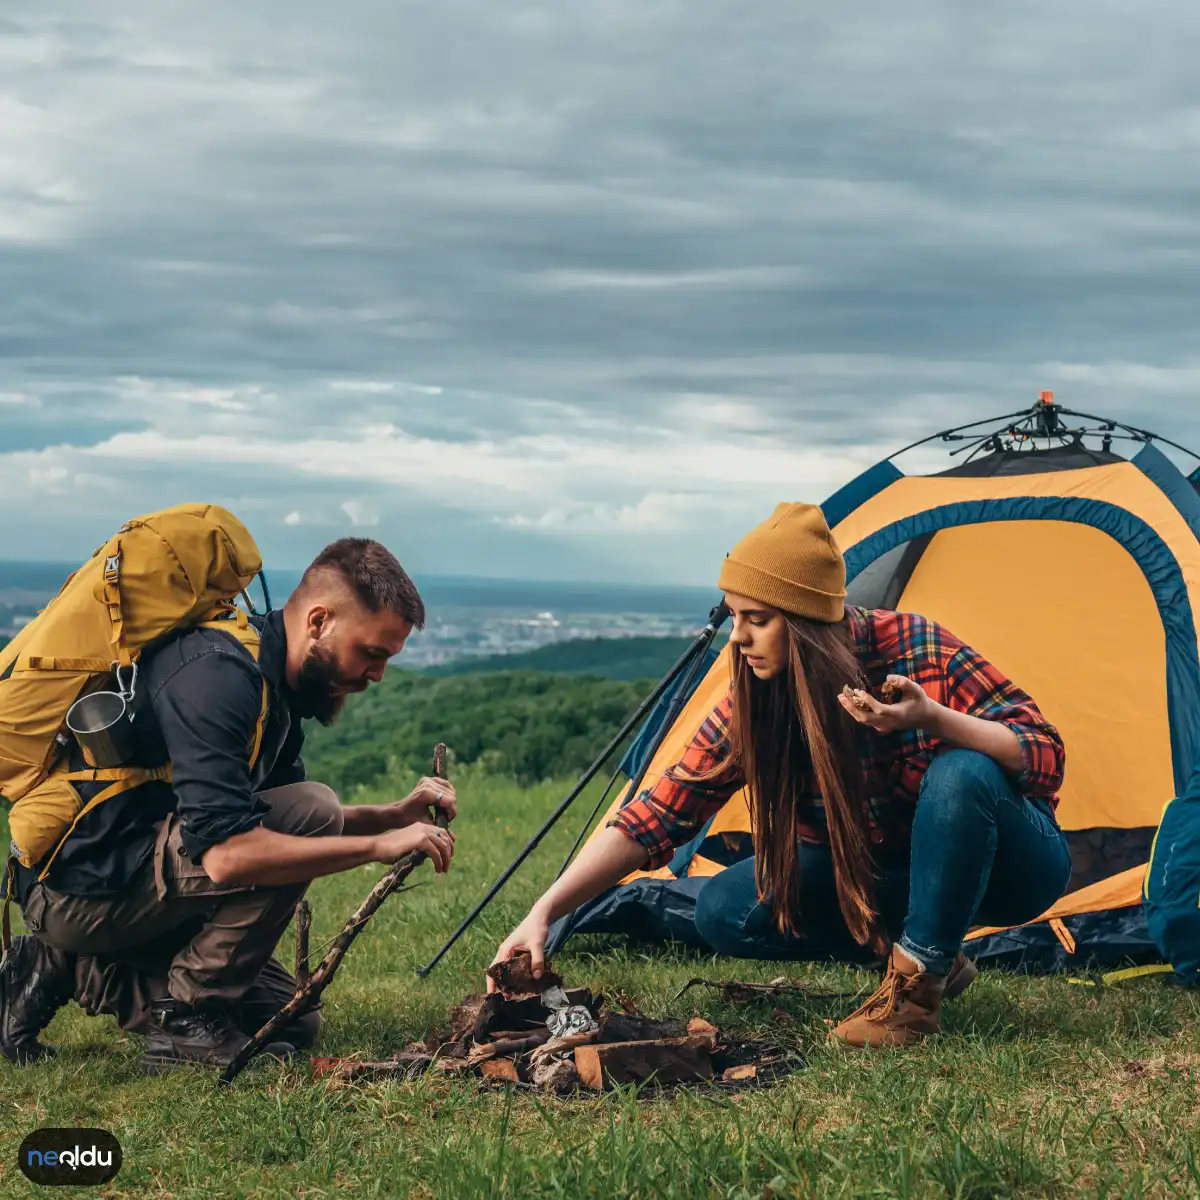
[{"x": 102, "y": 723}]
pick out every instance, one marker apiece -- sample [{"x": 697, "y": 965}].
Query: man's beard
[{"x": 316, "y": 694}]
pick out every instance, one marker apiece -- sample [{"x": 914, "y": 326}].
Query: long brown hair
[{"x": 790, "y": 736}]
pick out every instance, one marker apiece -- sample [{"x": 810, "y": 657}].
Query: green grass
[{"x": 1036, "y": 1088}]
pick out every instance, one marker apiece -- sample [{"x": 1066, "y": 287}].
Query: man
[{"x": 165, "y": 904}]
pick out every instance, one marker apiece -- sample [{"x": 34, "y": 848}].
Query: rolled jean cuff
[{"x": 933, "y": 961}]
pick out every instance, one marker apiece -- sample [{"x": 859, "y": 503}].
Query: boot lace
[{"x": 885, "y": 999}]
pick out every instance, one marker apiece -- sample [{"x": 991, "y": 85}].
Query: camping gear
[
  {"x": 1074, "y": 568},
  {"x": 72, "y": 670},
  {"x": 1171, "y": 891},
  {"x": 103, "y": 726}
]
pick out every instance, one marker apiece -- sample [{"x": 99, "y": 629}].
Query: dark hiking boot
[
  {"x": 963, "y": 973},
  {"x": 905, "y": 1009},
  {"x": 181, "y": 1034},
  {"x": 36, "y": 982}
]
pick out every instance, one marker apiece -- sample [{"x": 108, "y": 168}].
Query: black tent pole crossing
[
  {"x": 694, "y": 651},
  {"x": 715, "y": 619}
]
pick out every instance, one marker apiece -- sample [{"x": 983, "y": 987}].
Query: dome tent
[{"x": 1076, "y": 570}]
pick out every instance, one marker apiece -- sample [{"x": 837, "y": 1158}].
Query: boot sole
[
  {"x": 164, "y": 1064},
  {"x": 914, "y": 1036}
]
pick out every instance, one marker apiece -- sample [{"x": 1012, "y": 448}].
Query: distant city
[{"x": 467, "y": 617}]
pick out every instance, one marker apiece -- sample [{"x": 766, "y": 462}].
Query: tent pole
[
  {"x": 677, "y": 702},
  {"x": 566, "y": 862},
  {"x": 715, "y": 619},
  {"x": 699, "y": 648}
]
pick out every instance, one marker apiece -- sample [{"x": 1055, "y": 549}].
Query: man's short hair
[{"x": 373, "y": 574}]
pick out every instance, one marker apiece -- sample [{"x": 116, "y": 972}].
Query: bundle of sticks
[{"x": 539, "y": 1034}]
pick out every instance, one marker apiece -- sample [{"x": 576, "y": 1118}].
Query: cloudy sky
[{"x": 569, "y": 290}]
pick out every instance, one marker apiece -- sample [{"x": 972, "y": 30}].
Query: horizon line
[{"x": 438, "y": 576}]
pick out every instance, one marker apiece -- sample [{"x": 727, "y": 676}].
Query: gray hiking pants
[{"x": 173, "y": 932}]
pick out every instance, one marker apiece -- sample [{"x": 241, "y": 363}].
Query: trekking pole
[{"x": 703, "y": 639}]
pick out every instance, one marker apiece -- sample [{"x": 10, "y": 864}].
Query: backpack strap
[
  {"x": 112, "y": 598},
  {"x": 10, "y": 887},
  {"x": 93, "y": 666},
  {"x": 260, "y": 725},
  {"x": 237, "y": 625},
  {"x": 122, "y": 780}
]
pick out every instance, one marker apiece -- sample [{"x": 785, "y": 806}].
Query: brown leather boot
[
  {"x": 903, "y": 1010},
  {"x": 963, "y": 973}
]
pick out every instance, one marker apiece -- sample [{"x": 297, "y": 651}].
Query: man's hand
[
  {"x": 914, "y": 709},
  {"x": 530, "y": 935},
  {"x": 438, "y": 844},
  {"x": 414, "y": 808}
]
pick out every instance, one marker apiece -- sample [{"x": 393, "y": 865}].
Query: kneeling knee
[
  {"x": 320, "y": 815},
  {"x": 958, "y": 779}
]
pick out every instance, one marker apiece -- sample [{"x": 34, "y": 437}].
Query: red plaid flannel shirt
[{"x": 887, "y": 643}]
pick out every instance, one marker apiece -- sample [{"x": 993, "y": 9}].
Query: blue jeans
[{"x": 981, "y": 853}]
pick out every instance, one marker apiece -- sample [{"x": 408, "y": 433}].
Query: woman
[{"x": 874, "y": 824}]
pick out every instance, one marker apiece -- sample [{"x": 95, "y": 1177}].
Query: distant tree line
[
  {"x": 609, "y": 658},
  {"x": 522, "y": 724}
]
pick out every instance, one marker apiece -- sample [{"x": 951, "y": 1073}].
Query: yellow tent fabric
[{"x": 1079, "y": 576}]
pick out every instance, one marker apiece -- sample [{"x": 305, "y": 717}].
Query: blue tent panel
[
  {"x": 643, "y": 744},
  {"x": 858, "y": 491},
  {"x": 1153, "y": 463}
]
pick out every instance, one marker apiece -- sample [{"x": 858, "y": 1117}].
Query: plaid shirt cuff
[
  {"x": 1043, "y": 757},
  {"x": 640, "y": 822}
]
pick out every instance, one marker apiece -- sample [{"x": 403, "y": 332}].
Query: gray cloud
[{"x": 571, "y": 288}]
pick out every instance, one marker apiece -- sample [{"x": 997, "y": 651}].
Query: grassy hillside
[
  {"x": 1037, "y": 1088},
  {"x": 608, "y": 658},
  {"x": 524, "y": 725}
]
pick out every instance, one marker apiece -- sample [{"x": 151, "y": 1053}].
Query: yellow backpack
[{"x": 182, "y": 567}]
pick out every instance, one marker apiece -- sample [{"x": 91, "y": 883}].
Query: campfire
[{"x": 538, "y": 1034}]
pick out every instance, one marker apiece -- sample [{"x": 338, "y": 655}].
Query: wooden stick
[
  {"x": 303, "y": 926},
  {"x": 308, "y": 994}
]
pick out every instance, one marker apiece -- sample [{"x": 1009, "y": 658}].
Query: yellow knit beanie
[{"x": 790, "y": 562}]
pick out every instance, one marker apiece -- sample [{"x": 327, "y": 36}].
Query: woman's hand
[
  {"x": 913, "y": 710},
  {"x": 530, "y": 935}
]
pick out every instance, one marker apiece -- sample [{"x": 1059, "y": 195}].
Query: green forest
[
  {"x": 542, "y": 714},
  {"x": 609, "y": 658},
  {"x": 524, "y": 725}
]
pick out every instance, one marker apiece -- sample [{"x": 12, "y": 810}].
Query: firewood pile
[{"x": 538, "y": 1034}]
